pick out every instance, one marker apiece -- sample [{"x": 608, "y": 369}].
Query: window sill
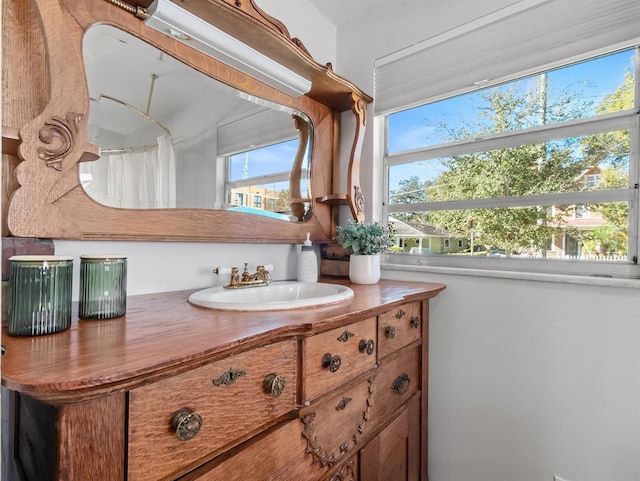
[{"x": 593, "y": 280}]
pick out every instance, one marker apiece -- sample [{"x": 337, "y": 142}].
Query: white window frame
[{"x": 629, "y": 119}]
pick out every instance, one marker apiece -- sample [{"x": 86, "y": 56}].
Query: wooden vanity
[{"x": 173, "y": 391}]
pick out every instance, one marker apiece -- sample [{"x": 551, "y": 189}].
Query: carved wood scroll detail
[
  {"x": 251, "y": 8},
  {"x": 298, "y": 43},
  {"x": 346, "y": 473},
  {"x": 359, "y": 108},
  {"x": 296, "y": 204},
  {"x": 356, "y": 202},
  {"x": 358, "y": 198},
  {"x": 320, "y": 455},
  {"x": 59, "y": 134}
]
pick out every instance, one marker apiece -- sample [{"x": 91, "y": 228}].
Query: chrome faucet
[{"x": 237, "y": 281}]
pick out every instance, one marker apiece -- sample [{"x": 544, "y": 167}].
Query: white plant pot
[{"x": 364, "y": 269}]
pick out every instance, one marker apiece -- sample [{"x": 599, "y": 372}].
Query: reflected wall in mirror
[{"x": 172, "y": 137}]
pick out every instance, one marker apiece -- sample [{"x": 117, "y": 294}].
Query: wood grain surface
[{"x": 162, "y": 334}]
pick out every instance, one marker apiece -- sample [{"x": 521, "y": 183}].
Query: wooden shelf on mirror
[
  {"x": 334, "y": 199},
  {"x": 11, "y": 142},
  {"x": 93, "y": 153}
]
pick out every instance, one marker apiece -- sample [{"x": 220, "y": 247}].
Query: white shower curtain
[{"x": 135, "y": 180}]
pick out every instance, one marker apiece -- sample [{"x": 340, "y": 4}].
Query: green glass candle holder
[
  {"x": 40, "y": 295},
  {"x": 103, "y": 286}
]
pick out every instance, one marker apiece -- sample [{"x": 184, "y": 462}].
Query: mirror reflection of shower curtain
[{"x": 134, "y": 179}]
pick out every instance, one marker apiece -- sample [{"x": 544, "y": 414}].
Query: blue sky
[
  {"x": 266, "y": 160},
  {"x": 409, "y": 130},
  {"x": 417, "y": 127}
]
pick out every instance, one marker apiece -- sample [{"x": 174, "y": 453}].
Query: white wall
[
  {"x": 305, "y": 22},
  {"x": 532, "y": 379},
  {"x": 174, "y": 266}
]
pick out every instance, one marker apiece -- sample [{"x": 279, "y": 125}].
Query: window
[
  {"x": 262, "y": 174},
  {"x": 591, "y": 180},
  {"x": 538, "y": 168},
  {"x": 258, "y": 150},
  {"x": 581, "y": 212}
]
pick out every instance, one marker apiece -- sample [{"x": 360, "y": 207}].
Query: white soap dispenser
[{"x": 307, "y": 262}]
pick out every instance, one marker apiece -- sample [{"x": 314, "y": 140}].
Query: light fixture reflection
[{"x": 170, "y": 19}]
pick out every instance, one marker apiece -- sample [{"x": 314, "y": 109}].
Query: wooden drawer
[
  {"x": 336, "y": 426},
  {"x": 333, "y": 357},
  {"x": 324, "y": 443},
  {"x": 398, "y": 379},
  {"x": 398, "y": 327},
  {"x": 228, "y": 395},
  {"x": 278, "y": 455}
]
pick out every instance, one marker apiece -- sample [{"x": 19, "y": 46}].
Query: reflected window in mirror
[{"x": 260, "y": 180}]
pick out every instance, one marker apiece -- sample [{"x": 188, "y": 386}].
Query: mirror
[
  {"x": 49, "y": 199},
  {"x": 172, "y": 137}
]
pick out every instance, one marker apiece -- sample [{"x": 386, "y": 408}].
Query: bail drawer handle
[
  {"x": 366, "y": 346},
  {"x": 401, "y": 384},
  {"x": 390, "y": 332},
  {"x": 331, "y": 362},
  {"x": 274, "y": 384},
  {"x": 186, "y": 424}
]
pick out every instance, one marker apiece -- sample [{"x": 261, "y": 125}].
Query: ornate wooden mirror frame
[{"x": 47, "y": 199}]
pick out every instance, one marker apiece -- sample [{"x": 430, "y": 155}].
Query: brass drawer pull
[
  {"x": 186, "y": 424},
  {"x": 400, "y": 314},
  {"x": 331, "y": 362},
  {"x": 274, "y": 385},
  {"x": 390, "y": 332},
  {"x": 415, "y": 322},
  {"x": 229, "y": 377},
  {"x": 366, "y": 346},
  {"x": 401, "y": 384}
]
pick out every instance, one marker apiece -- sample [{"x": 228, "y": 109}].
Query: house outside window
[
  {"x": 520, "y": 167},
  {"x": 263, "y": 181},
  {"x": 592, "y": 180}
]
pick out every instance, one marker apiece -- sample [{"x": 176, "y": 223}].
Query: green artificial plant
[{"x": 364, "y": 239}]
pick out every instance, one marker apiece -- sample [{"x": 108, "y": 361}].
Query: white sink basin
[{"x": 276, "y": 296}]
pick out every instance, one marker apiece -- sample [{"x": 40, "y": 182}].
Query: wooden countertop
[{"x": 162, "y": 334}]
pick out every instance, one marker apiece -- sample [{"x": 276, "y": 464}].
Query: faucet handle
[
  {"x": 268, "y": 267},
  {"x": 221, "y": 271}
]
